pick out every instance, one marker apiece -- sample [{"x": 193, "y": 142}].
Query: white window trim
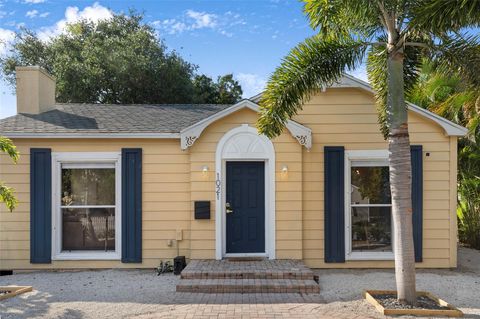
[
  {"x": 361, "y": 155},
  {"x": 84, "y": 159}
]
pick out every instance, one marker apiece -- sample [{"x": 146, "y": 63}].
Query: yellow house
[{"x": 111, "y": 186}]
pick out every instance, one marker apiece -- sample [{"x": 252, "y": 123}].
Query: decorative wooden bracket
[{"x": 190, "y": 135}]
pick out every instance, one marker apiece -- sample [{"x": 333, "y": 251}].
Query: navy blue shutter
[
  {"x": 131, "y": 205},
  {"x": 40, "y": 205},
  {"x": 334, "y": 204},
  {"x": 417, "y": 199}
]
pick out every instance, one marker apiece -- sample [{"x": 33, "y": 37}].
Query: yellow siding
[
  {"x": 166, "y": 200},
  {"x": 347, "y": 117},
  {"x": 287, "y": 151},
  {"x": 173, "y": 180}
]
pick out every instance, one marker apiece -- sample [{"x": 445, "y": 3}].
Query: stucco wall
[{"x": 173, "y": 179}]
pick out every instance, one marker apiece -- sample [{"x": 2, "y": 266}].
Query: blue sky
[{"x": 247, "y": 38}]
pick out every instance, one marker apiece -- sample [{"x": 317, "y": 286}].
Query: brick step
[
  {"x": 247, "y": 286},
  {"x": 266, "y": 269},
  {"x": 243, "y": 274}
]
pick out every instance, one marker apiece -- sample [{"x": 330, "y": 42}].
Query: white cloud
[
  {"x": 35, "y": 13},
  {"x": 202, "y": 19},
  {"x": 193, "y": 20},
  {"x": 4, "y": 14},
  {"x": 252, "y": 84},
  {"x": 34, "y": 1},
  {"x": 94, "y": 13},
  {"x": 6, "y": 37},
  {"x": 227, "y": 34},
  {"x": 171, "y": 26},
  {"x": 31, "y": 13}
]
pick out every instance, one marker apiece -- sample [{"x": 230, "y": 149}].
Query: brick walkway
[
  {"x": 212, "y": 289},
  {"x": 259, "y": 306}
]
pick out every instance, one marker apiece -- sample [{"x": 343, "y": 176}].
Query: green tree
[
  {"x": 7, "y": 193},
  {"x": 393, "y": 36},
  {"x": 205, "y": 89},
  {"x": 229, "y": 90},
  {"x": 225, "y": 91},
  {"x": 117, "y": 60}
]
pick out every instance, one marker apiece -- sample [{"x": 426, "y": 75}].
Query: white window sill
[
  {"x": 369, "y": 256},
  {"x": 87, "y": 255}
]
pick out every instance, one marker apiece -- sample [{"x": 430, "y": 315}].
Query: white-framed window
[
  {"x": 86, "y": 206},
  {"x": 368, "y": 206}
]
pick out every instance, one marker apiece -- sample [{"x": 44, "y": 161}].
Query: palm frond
[
  {"x": 446, "y": 15},
  {"x": 458, "y": 55},
  {"x": 339, "y": 18},
  {"x": 7, "y": 196},
  {"x": 6, "y": 193},
  {"x": 7, "y": 146},
  {"x": 377, "y": 76},
  {"x": 449, "y": 96},
  {"x": 315, "y": 63}
]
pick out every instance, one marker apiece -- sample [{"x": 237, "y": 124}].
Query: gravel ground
[{"x": 130, "y": 293}]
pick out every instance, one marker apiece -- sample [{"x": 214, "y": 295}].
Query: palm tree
[
  {"x": 393, "y": 36},
  {"x": 458, "y": 100},
  {"x": 450, "y": 96},
  {"x": 6, "y": 193}
]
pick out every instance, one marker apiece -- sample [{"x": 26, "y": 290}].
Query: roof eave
[
  {"x": 92, "y": 135},
  {"x": 450, "y": 128}
]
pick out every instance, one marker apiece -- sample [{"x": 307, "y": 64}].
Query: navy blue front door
[{"x": 245, "y": 207}]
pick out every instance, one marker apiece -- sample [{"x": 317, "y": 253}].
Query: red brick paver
[
  {"x": 261, "y": 306},
  {"x": 260, "y": 276}
]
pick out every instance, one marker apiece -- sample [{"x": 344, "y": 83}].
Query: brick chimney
[{"x": 35, "y": 90}]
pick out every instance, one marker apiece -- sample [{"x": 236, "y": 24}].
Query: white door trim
[{"x": 244, "y": 144}]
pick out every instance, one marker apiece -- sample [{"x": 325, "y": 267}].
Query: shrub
[{"x": 468, "y": 212}]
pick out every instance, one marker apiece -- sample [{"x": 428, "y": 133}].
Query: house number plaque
[{"x": 218, "y": 183}]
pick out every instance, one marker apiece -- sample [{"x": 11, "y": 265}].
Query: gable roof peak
[
  {"x": 350, "y": 81},
  {"x": 189, "y": 135}
]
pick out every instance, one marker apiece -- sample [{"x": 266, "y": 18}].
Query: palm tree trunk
[{"x": 400, "y": 180}]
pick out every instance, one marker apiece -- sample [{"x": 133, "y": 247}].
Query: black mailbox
[{"x": 202, "y": 209}]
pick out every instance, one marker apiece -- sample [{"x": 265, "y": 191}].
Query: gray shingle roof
[{"x": 108, "y": 118}]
